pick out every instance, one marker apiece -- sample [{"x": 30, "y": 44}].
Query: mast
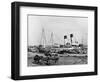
[
  {"x": 82, "y": 40},
  {"x": 51, "y": 39},
  {"x": 43, "y": 38}
]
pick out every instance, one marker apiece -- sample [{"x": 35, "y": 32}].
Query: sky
[{"x": 59, "y": 26}]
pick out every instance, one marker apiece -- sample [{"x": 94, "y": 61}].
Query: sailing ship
[{"x": 69, "y": 46}]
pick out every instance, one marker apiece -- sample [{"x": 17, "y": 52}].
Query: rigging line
[{"x": 58, "y": 38}]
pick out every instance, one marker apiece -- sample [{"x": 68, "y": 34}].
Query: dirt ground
[{"x": 63, "y": 60}]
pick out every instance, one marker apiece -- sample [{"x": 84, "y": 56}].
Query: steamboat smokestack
[
  {"x": 65, "y": 38},
  {"x": 71, "y": 36}
]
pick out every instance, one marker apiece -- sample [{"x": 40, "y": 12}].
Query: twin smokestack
[{"x": 65, "y": 38}]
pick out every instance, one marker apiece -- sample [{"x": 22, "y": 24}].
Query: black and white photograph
[
  {"x": 57, "y": 40},
  {"x": 53, "y": 40}
]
